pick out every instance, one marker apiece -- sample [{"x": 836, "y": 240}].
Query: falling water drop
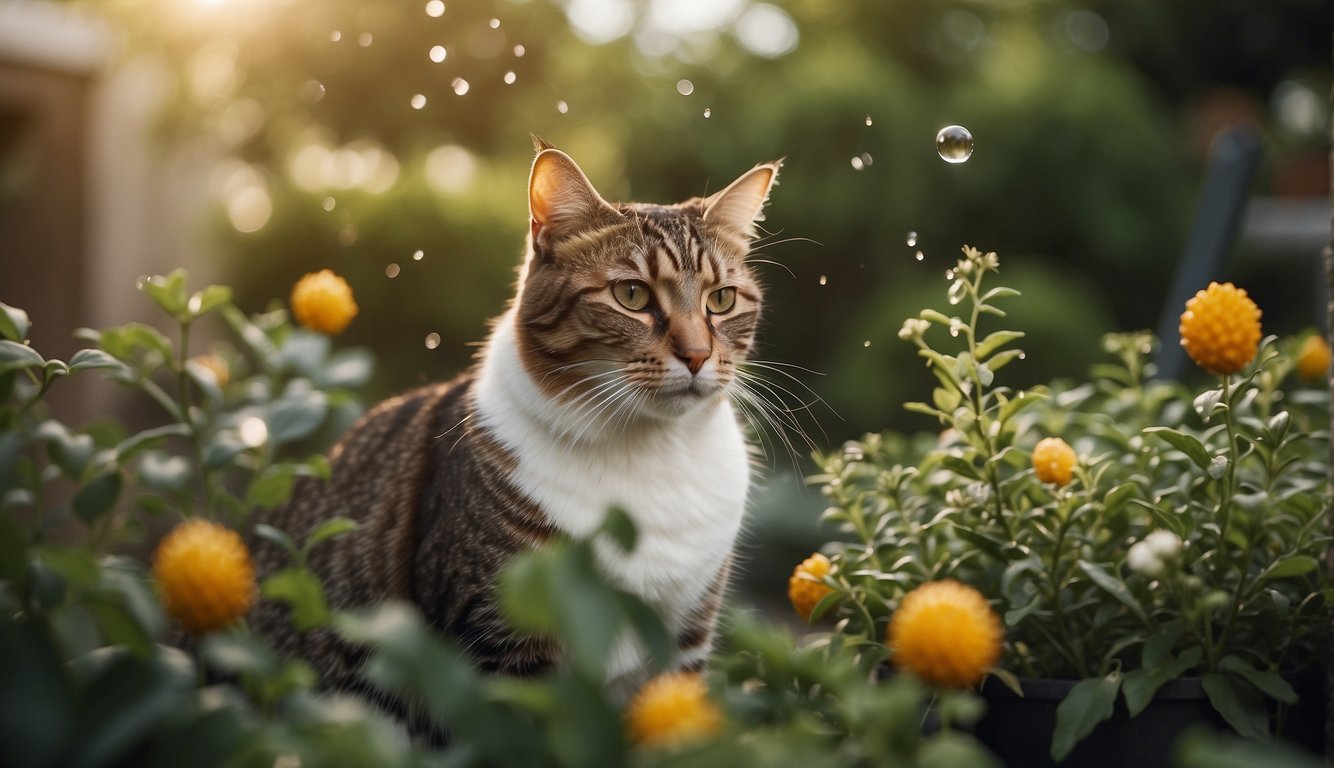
[
  {"x": 912, "y": 239},
  {"x": 494, "y": 23},
  {"x": 954, "y": 144},
  {"x": 1022, "y": 356},
  {"x": 418, "y": 100},
  {"x": 866, "y": 159},
  {"x": 435, "y": 9},
  {"x": 920, "y": 255},
  {"x": 510, "y": 77},
  {"x": 868, "y": 121},
  {"x": 460, "y": 86},
  {"x": 417, "y": 255},
  {"x": 438, "y": 53},
  {"x": 866, "y": 343},
  {"x": 685, "y": 87},
  {"x": 335, "y": 36},
  {"x": 432, "y": 340},
  {"x": 858, "y": 163},
  {"x": 708, "y": 113},
  {"x": 562, "y": 107},
  {"x": 140, "y": 282},
  {"x": 365, "y": 39},
  {"x": 391, "y": 271},
  {"x": 519, "y": 51},
  {"x": 329, "y": 203},
  {"x": 824, "y": 280}
]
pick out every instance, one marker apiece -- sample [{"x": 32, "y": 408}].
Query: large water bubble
[{"x": 954, "y": 144}]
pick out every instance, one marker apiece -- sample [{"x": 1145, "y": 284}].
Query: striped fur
[{"x": 576, "y": 403}]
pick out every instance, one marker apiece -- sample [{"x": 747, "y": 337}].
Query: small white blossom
[
  {"x": 913, "y": 328},
  {"x": 1163, "y": 544},
  {"x": 1142, "y": 560}
]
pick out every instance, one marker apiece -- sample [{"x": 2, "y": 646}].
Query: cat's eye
[
  {"x": 721, "y": 300},
  {"x": 634, "y": 295}
]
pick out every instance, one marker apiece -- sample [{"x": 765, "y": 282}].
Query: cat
[{"x": 604, "y": 383}]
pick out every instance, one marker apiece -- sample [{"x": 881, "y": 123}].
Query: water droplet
[
  {"x": 824, "y": 280},
  {"x": 1022, "y": 356},
  {"x": 335, "y": 36},
  {"x": 949, "y": 274},
  {"x": 954, "y": 144},
  {"x": 858, "y": 164},
  {"x": 140, "y": 282},
  {"x": 312, "y": 91},
  {"x": 460, "y": 86},
  {"x": 432, "y": 340},
  {"x": 347, "y": 235},
  {"x": 708, "y": 113},
  {"x": 365, "y": 39},
  {"x": 920, "y": 255},
  {"x": 868, "y": 121},
  {"x": 494, "y": 23},
  {"x": 253, "y": 432},
  {"x": 562, "y": 107},
  {"x": 912, "y": 239},
  {"x": 391, "y": 271},
  {"x": 519, "y": 51},
  {"x": 418, "y": 100},
  {"x": 866, "y": 159},
  {"x": 329, "y": 203},
  {"x": 417, "y": 255},
  {"x": 954, "y": 329},
  {"x": 866, "y": 343},
  {"x": 438, "y": 53},
  {"x": 685, "y": 87},
  {"x": 510, "y": 77},
  {"x": 435, "y": 9}
]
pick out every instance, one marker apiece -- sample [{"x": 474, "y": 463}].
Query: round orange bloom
[
  {"x": 806, "y": 587},
  {"x": 322, "y": 301},
  {"x": 672, "y": 709},
  {"x": 1053, "y": 460},
  {"x": 204, "y": 576},
  {"x": 1220, "y": 328},
  {"x": 1313, "y": 358},
  {"x": 945, "y": 633}
]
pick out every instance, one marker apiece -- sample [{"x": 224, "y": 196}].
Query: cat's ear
[
  {"x": 741, "y": 204},
  {"x": 561, "y": 201}
]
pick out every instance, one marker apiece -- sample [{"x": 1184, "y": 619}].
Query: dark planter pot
[{"x": 1018, "y": 730}]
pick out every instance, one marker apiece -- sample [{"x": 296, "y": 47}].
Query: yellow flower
[
  {"x": 671, "y": 709},
  {"x": 945, "y": 633},
  {"x": 1053, "y": 460},
  {"x": 215, "y": 365},
  {"x": 1220, "y": 328},
  {"x": 806, "y": 587},
  {"x": 322, "y": 301},
  {"x": 1313, "y": 358},
  {"x": 204, "y": 576}
]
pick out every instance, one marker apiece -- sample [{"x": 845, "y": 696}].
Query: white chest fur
[{"x": 682, "y": 482}]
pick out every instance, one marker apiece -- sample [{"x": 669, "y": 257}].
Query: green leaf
[
  {"x": 122, "y": 342},
  {"x": 98, "y": 496},
  {"x": 110, "y": 723},
  {"x": 1269, "y": 682},
  {"x": 205, "y": 379},
  {"x": 346, "y": 369},
  {"x": 1161, "y": 642},
  {"x": 1090, "y": 702},
  {"x": 1113, "y": 586},
  {"x": 13, "y": 323},
  {"x": 272, "y": 487},
  {"x": 1002, "y": 359},
  {"x": 1000, "y": 292},
  {"x": 119, "y": 627},
  {"x": 296, "y": 415},
  {"x": 1118, "y": 496},
  {"x": 300, "y": 589},
  {"x": 168, "y": 292},
  {"x": 14, "y": 356},
  {"x": 162, "y": 472},
  {"x": 37, "y": 710},
  {"x": 276, "y": 536},
  {"x": 995, "y": 341},
  {"x": 1287, "y": 567},
  {"x": 618, "y": 525},
  {"x": 238, "y": 653},
  {"x": 1241, "y": 705},
  {"x": 1188, "y": 445},
  {"x": 148, "y": 438},
  {"x": 209, "y": 299},
  {"x": 1140, "y": 685},
  {"x": 86, "y": 359},
  {"x": 648, "y": 625},
  {"x": 331, "y": 528},
  {"x": 1208, "y": 402}
]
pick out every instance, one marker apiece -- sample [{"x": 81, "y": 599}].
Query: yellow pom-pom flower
[
  {"x": 1313, "y": 358},
  {"x": 204, "y": 576},
  {"x": 322, "y": 301},
  {"x": 806, "y": 587},
  {"x": 673, "y": 709},
  {"x": 945, "y": 633},
  {"x": 1053, "y": 460},
  {"x": 1220, "y": 328}
]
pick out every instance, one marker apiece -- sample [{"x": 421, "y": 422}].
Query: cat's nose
[{"x": 693, "y": 358}]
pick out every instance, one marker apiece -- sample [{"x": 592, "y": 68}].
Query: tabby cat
[{"x": 605, "y": 383}]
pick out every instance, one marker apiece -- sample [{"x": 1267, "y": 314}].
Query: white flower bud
[
  {"x": 1142, "y": 560},
  {"x": 1163, "y": 544}
]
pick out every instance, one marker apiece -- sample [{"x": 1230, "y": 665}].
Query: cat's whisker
[
  {"x": 777, "y": 424},
  {"x": 779, "y": 264}
]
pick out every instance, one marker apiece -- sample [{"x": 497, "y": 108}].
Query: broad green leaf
[
  {"x": 1188, "y": 445},
  {"x": 296, "y": 415},
  {"x": 98, "y": 496},
  {"x": 13, "y": 323},
  {"x": 119, "y": 627},
  {"x": 1140, "y": 685},
  {"x": 1287, "y": 567},
  {"x": 300, "y": 589},
  {"x": 1269, "y": 682},
  {"x": 1161, "y": 642},
  {"x": 1208, "y": 402},
  {"x": 346, "y": 368},
  {"x": 1020, "y": 401},
  {"x": 14, "y": 356},
  {"x": 86, "y": 359},
  {"x": 168, "y": 292},
  {"x": 1000, "y": 292},
  {"x": 1090, "y": 702},
  {"x": 209, "y": 299},
  {"x": 110, "y": 723},
  {"x": 122, "y": 342},
  {"x": 995, "y": 341},
  {"x": 276, "y": 536},
  {"x": 1119, "y": 495},
  {"x": 1113, "y": 586},
  {"x": 331, "y": 528},
  {"x": 1004, "y": 358},
  {"x": 1241, "y": 705},
  {"x": 272, "y": 487},
  {"x": 620, "y": 528}
]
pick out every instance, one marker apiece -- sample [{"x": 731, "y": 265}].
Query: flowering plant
[{"x": 1128, "y": 530}]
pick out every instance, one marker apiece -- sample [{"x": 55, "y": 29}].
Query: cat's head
[{"x": 629, "y": 310}]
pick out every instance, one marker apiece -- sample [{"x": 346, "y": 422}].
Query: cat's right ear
[{"x": 561, "y": 201}]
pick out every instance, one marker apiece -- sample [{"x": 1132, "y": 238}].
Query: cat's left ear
[
  {"x": 561, "y": 201},
  {"x": 741, "y": 204}
]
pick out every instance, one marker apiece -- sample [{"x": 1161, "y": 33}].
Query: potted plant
[{"x": 1141, "y": 541}]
